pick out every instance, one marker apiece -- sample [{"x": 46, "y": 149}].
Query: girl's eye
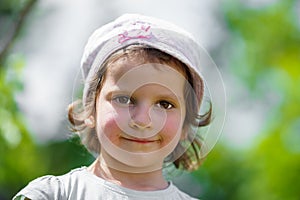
[
  {"x": 122, "y": 100},
  {"x": 165, "y": 105}
]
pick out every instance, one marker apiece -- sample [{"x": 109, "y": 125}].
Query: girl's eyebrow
[
  {"x": 112, "y": 92},
  {"x": 117, "y": 90},
  {"x": 171, "y": 96},
  {"x": 168, "y": 95},
  {"x": 162, "y": 96}
]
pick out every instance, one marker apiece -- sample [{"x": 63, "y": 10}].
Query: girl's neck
[{"x": 146, "y": 181}]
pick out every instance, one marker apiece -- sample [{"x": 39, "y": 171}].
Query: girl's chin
[{"x": 134, "y": 163}]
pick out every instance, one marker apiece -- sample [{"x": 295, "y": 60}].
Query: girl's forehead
[
  {"x": 123, "y": 65},
  {"x": 131, "y": 76},
  {"x": 119, "y": 67}
]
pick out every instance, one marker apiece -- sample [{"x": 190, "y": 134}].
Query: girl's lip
[{"x": 138, "y": 140}]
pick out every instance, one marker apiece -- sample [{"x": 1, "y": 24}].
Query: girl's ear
[{"x": 90, "y": 122}]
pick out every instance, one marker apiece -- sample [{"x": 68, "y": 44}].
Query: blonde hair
[{"x": 191, "y": 159}]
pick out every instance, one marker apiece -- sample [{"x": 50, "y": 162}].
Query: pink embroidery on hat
[{"x": 142, "y": 32}]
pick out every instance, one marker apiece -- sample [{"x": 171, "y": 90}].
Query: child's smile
[{"x": 140, "y": 110}]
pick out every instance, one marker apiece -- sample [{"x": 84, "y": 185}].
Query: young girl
[{"x": 139, "y": 114}]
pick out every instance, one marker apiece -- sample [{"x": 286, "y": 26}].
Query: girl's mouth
[{"x": 140, "y": 140}]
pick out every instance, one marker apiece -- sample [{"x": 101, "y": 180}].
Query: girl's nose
[{"x": 140, "y": 117}]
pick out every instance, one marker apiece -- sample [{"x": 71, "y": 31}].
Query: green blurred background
[{"x": 260, "y": 61}]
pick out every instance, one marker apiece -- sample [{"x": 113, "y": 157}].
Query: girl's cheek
[
  {"x": 173, "y": 126},
  {"x": 111, "y": 123},
  {"x": 107, "y": 125}
]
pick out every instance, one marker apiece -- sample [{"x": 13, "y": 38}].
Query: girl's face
[{"x": 140, "y": 112}]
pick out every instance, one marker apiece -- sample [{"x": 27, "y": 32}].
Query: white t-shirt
[{"x": 80, "y": 184}]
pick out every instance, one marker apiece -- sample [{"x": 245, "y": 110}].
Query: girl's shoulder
[
  {"x": 45, "y": 187},
  {"x": 49, "y": 186}
]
